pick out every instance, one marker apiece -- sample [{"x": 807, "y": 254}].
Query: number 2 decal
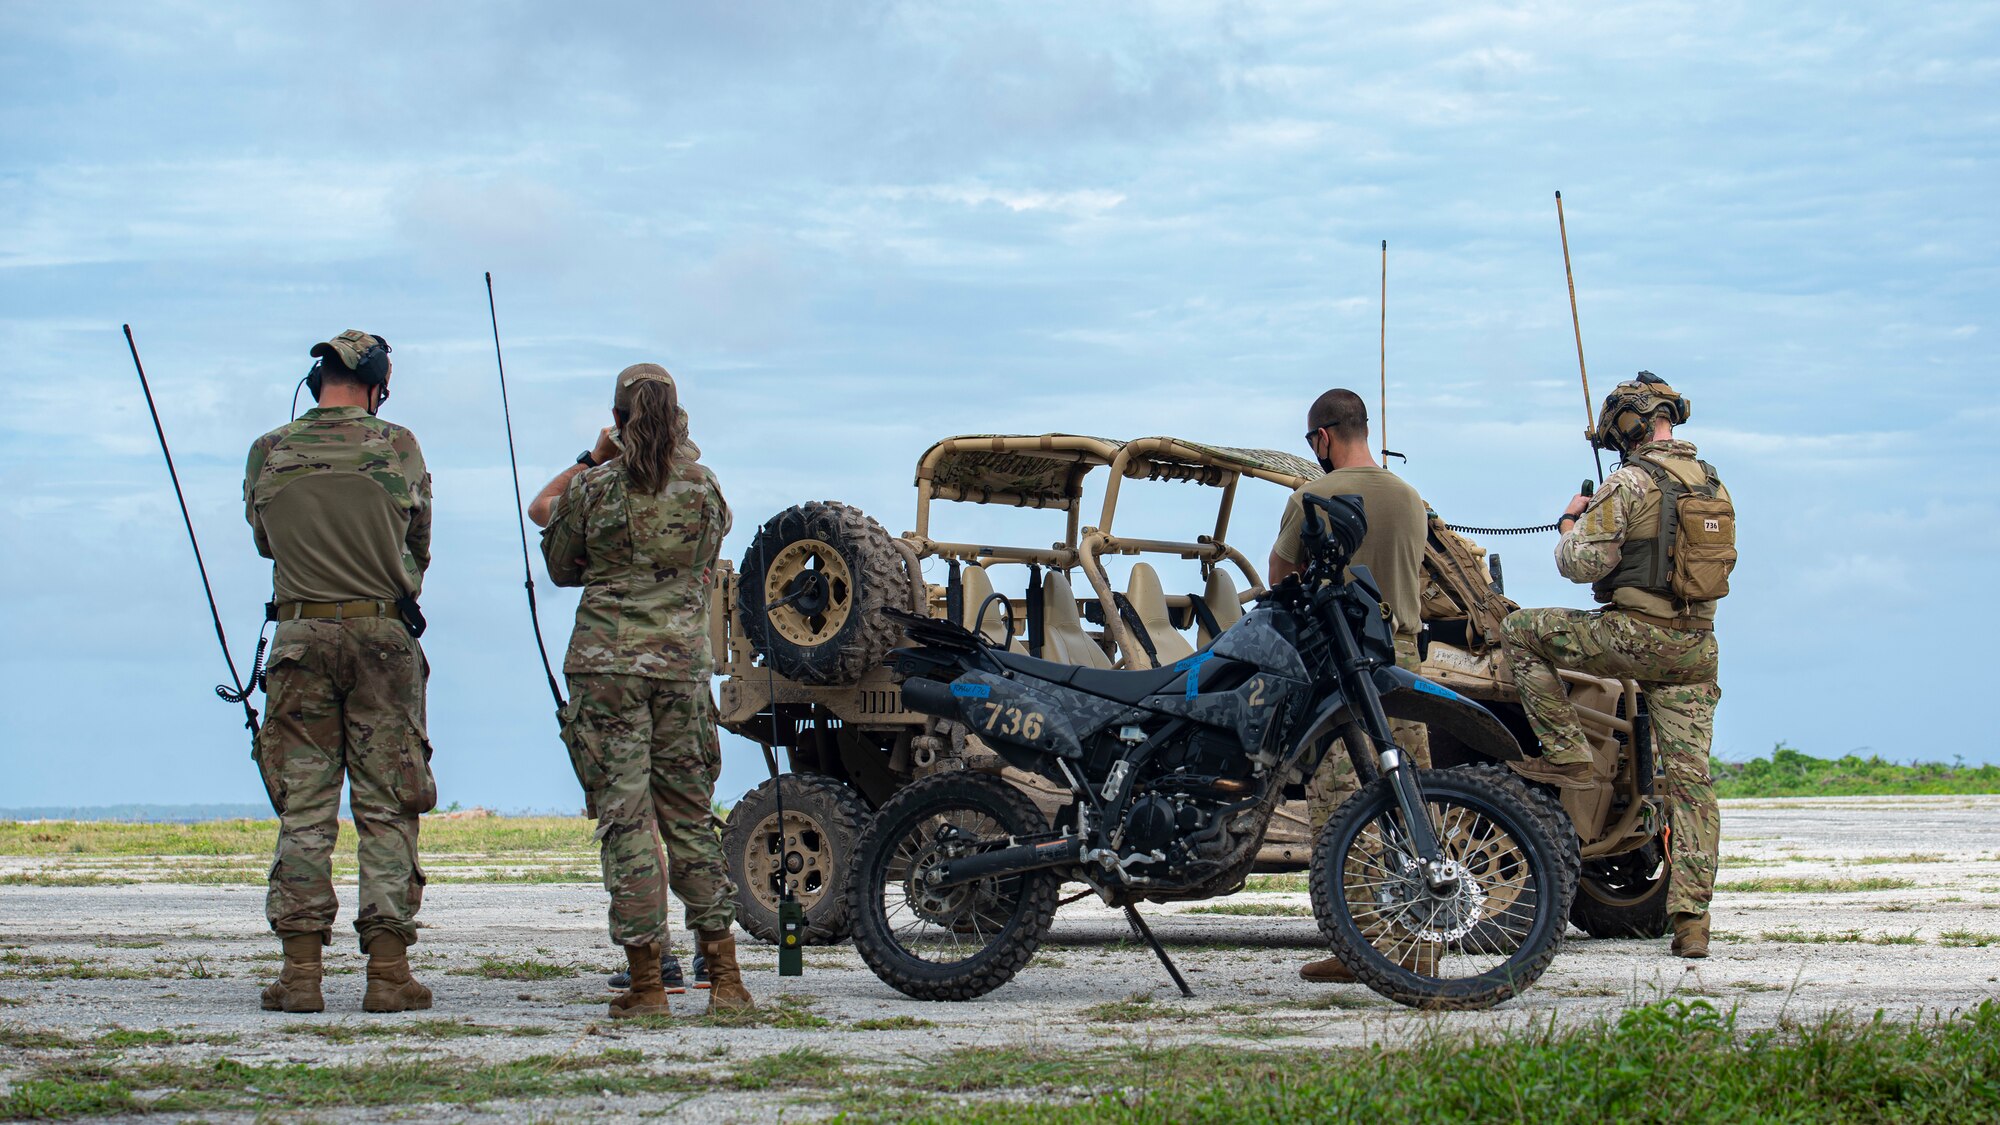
[{"x": 1257, "y": 692}]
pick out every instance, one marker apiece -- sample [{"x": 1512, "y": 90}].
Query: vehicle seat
[
  {"x": 977, "y": 587},
  {"x": 1063, "y": 638},
  {"x": 1223, "y": 604},
  {"x": 1142, "y": 590}
]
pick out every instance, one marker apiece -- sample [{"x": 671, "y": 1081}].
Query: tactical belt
[
  {"x": 337, "y": 611},
  {"x": 1684, "y": 624}
]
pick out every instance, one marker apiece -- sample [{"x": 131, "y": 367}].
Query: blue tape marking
[
  {"x": 972, "y": 691},
  {"x": 1192, "y": 666},
  {"x": 1429, "y": 688}
]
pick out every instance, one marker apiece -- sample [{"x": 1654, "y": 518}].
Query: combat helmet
[{"x": 1630, "y": 408}]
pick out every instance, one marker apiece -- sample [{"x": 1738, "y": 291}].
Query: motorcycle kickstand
[{"x": 1145, "y": 931}]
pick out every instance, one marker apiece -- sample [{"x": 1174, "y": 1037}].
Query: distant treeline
[{"x": 1792, "y": 773}]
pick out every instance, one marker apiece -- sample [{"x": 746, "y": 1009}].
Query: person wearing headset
[{"x": 340, "y": 502}]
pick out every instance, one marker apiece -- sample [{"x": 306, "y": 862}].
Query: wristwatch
[
  {"x": 1565, "y": 516},
  {"x": 586, "y": 460}
]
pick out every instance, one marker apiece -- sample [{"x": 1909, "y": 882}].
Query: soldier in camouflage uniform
[
  {"x": 1393, "y": 552},
  {"x": 638, "y": 523},
  {"x": 1644, "y": 632},
  {"x": 340, "y": 501}
]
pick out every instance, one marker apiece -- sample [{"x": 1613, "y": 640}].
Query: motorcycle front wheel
[
  {"x": 1483, "y": 935},
  {"x": 950, "y": 943}
]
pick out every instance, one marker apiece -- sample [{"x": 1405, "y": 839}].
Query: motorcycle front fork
[{"x": 1402, "y": 774}]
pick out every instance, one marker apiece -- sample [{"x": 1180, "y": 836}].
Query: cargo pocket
[
  {"x": 584, "y": 760},
  {"x": 267, "y": 748},
  {"x": 416, "y": 785}
]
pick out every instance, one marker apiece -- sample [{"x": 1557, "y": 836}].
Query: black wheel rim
[
  {"x": 944, "y": 926},
  {"x": 1473, "y": 929}
]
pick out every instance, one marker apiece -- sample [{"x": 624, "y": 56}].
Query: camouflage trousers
[
  {"x": 346, "y": 700},
  {"x": 1334, "y": 781},
  {"x": 647, "y": 756},
  {"x": 1676, "y": 669}
]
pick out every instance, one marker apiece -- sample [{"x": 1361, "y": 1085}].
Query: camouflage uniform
[
  {"x": 1675, "y": 667},
  {"x": 640, "y": 725},
  {"x": 1334, "y": 782},
  {"x": 341, "y": 502}
]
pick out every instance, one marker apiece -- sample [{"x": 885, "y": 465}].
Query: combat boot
[
  {"x": 391, "y": 988},
  {"x": 1690, "y": 936},
  {"x": 297, "y": 986},
  {"x": 646, "y": 996},
  {"x": 725, "y": 979},
  {"x": 1332, "y": 970}
]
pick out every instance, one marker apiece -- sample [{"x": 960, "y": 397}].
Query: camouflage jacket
[
  {"x": 1592, "y": 547},
  {"x": 340, "y": 501},
  {"x": 645, "y": 564}
]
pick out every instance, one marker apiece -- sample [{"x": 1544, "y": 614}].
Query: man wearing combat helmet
[
  {"x": 340, "y": 502},
  {"x": 1656, "y": 543}
]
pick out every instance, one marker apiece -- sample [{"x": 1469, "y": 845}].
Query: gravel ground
[{"x": 193, "y": 957}]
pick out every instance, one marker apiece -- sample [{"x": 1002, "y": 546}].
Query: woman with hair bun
[{"x": 638, "y": 523}]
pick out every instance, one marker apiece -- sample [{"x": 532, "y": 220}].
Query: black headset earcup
[{"x": 313, "y": 379}]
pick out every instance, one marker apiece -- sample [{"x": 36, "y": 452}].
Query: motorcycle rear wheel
[
  {"x": 1409, "y": 942},
  {"x": 962, "y": 942}
]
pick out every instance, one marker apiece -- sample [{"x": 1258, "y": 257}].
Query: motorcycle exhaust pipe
[
  {"x": 1009, "y": 861},
  {"x": 929, "y": 697}
]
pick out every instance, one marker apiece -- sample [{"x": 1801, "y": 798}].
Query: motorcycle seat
[{"x": 1122, "y": 687}]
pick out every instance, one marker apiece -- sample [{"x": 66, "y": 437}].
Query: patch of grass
[
  {"x": 24, "y": 966},
  {"x": 796, "y": 1066},
  {"x": 891, "y": 1023},
  {"x": 1908, "y": 857},
  {"x": 124, "y": 1038},
  {"x": 1254, "y": 909},
  {"x": 292, "y": 1089},
  {"x": 36, "y": 1039},
  {"x": 489, "y": 837},
  {"x": 13, "y": 1002},
  {"x": 1959, "y": 939},
  {"x": 148, "y": 943},
  {"x": 1331, "y": 1000},
  {"x": 1282, "y": 883},
  {"x": 1843, "y": 937},
  {"x": 527, "y": 968},
  {"x": 38, "y": 1099},
  {"x": 1808, "y": 884},
  {"x": 1136, "y": 1008},
  {"x": 1610, "y": 1070},
  {"x": 1791, "y": 773},
  {"x": 57, "y": 877}
]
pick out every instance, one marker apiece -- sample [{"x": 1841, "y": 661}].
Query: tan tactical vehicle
[{"x": 799, "y": 626}]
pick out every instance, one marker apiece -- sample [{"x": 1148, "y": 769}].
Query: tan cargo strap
[
  {"x": 1684, "y": 624},
  {"x": 337, "y": 611}
]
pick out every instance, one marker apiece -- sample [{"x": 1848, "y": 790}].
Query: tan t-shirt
[{"x": 1393, "y": 549}]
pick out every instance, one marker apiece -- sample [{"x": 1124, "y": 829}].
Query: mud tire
[
  {"x": 1548, "y": 809},
  {"x": 1530, "y": 956},
  {"x": 869, "y": 574},
  {"x": 1615, "y": 898},
  {"x": 1034, "y": 897},
  {"x": 835, "y": 818}
]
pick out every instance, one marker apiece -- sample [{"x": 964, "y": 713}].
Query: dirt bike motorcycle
[{"x": 1440, "y": 889}]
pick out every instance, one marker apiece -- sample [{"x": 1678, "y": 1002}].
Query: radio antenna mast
[{"x": 1589, "y": 415}]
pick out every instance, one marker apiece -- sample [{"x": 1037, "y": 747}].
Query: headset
[{"x": 373, "y": 371}]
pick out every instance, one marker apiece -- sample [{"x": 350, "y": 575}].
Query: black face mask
[{"x": 1325, "y": 462}]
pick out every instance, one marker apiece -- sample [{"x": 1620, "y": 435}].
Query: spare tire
[
  {"x": 813, "y": 588},
  {"x": 824, "y": 820}
]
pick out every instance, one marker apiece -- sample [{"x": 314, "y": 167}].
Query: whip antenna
[
  {"x": 234, "y": 691},
  {"x": 1386, "y": 451},
  {"x": 527, "y": 569},
  {"x": 1589, "y": 414}
]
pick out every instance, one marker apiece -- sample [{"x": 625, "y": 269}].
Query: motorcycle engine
[{"x": 1150, "y": 824}]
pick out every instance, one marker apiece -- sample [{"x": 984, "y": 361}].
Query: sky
[{"x": 850, "y": 229}]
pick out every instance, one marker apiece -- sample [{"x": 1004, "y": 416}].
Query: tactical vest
[{"x": 1679, "y": 546}]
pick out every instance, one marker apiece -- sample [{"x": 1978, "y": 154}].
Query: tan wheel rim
[
  {"x": 806, "y": 857},
  {"x": 817, "y": 591}
]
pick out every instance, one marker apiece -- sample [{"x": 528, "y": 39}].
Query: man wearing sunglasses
[
  {"x": 1393, "y": 551},
  {"x": 340, "y": 502}
]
